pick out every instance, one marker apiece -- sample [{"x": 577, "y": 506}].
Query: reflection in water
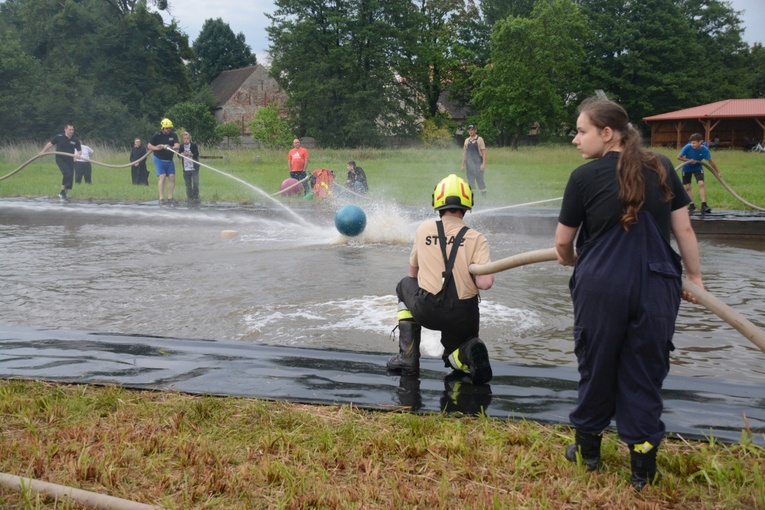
[
  {"x": 462, "y": 396},
  {"x": 137, "y": 270}
]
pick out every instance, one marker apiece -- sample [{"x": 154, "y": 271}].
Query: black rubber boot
[
  {"x": 588, "y": 446},
  {"x": 474, "y": 353},
  {"x": 407, "y": 361},
  {"x": 644, "y": 471}
]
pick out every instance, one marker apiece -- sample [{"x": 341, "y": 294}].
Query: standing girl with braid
[{"x": 626, "y": 284}]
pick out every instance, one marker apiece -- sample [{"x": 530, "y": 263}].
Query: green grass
[
  {"x": 405, "y": 176},
  {"x": 195, "y": 452},
  {"x": 182, "y": 452}
]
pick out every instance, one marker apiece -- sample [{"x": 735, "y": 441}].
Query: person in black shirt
[
  {"x": 626, "y": 285},
  {"x": 68, "y": 143},
  {"x": 162, "y": 140}
]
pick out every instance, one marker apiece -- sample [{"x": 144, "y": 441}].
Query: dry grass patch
[{"x": 180, "y": 451}]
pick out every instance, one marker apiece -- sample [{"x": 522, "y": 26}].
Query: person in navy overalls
[{"x": 626, "y": 284}]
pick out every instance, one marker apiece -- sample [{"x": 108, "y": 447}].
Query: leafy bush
[
  {"x": 270, "y": 129},
  {"x": 435, "y": 135}
]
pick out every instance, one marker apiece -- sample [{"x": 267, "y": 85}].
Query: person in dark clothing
[
  {"x": 138, "y": 172},
  {"x": 440, "y": 293},
  {"x": 357, "y": 179},
  {"x": 189, "y": 157},
  {"x": 626, "y": 284},
  {"x": 474, "y": 159},
  {"x": 68, "y": 143}
]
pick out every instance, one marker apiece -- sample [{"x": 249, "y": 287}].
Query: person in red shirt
[{"x": 297, "y": 160}]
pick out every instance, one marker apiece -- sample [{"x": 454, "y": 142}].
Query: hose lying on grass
[
  {"x": 704, "y": 298},
  {"x": 59, "y": 492}
]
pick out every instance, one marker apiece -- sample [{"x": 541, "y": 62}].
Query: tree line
[
  {"x": 113, "y": 68},
  {"x": 359, "y": 72}
]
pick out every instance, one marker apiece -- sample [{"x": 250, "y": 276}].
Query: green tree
[
  {"x": 217, "y": 49},
  {"x": 430, "y": 45},
  {"x": 229, "y": 131},
  {"x": 126, "y": 6},
  {"x": 534, "y": 68},
  {"x": 495, "y": 10},
  {"x": 435, "y": 133},
  {"x": 142, "y": 63},
  {"x": 724, "y": 54},
  {"x": 195, "y": 118},
  {"x": 757, "y": 78},
  {"x": 20, "y": 72},
  {"x": 645, "y": 55},
  {"x": 270, "y": 129},
  {"x": 338, "y": 61},
  {"x": 472, "y": 52},
  {"x": 111, "y": 71}
]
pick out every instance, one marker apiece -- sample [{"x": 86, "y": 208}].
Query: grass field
[
  {"x": 405, "y": 176},
  {"x": 184, "y": 452},
  {"x": 189, "y": 452}
]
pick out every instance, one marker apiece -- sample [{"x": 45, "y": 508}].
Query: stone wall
[{"x": 257, "y": 91}]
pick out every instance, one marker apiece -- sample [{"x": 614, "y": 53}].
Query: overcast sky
[{"x": 248, "y": 17}]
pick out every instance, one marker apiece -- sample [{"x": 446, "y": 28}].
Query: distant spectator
[
  {"x": 190, "y": 162},
  {"x": 82, "y": 166},
  {"x": 297, "y": 160},
  {"x": 474, "y": 160},
  {"x": 357, "y": 179},
  {"x": 138, "y": 171}
]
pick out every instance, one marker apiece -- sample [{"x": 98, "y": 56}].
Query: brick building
[{"x": 241, "y": 92}]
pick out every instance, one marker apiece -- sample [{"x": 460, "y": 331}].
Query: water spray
[
  {"x": 251, "y": 186},
  {"x": 704, "y": 298},
  {"x": 493, "y": 209},
  {"x": 127, "y": 165}
]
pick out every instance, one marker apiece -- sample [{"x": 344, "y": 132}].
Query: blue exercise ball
[{"x": 350, "y": 220}]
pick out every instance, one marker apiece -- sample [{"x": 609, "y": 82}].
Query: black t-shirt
[
  {"x": 591, "y": 198},
  {"x": 65, "y": 144},
  {"x": 160, "y": 138}
]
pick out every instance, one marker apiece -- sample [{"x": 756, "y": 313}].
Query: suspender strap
[{"x": 449, "y": 261}]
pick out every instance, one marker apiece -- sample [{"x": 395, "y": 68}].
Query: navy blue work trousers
[{"x": 626, "y": 290}]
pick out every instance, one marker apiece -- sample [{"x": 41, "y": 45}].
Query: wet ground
[{"x": 85, "y": 268}]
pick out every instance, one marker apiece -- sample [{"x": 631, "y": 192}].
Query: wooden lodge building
[{"x": 738, "y": 123}]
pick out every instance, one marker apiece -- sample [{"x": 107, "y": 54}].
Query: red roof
[{"x": 737, "y": 108}]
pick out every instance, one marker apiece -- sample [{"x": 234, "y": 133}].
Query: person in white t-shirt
[{"x": 82, "y": 166}]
